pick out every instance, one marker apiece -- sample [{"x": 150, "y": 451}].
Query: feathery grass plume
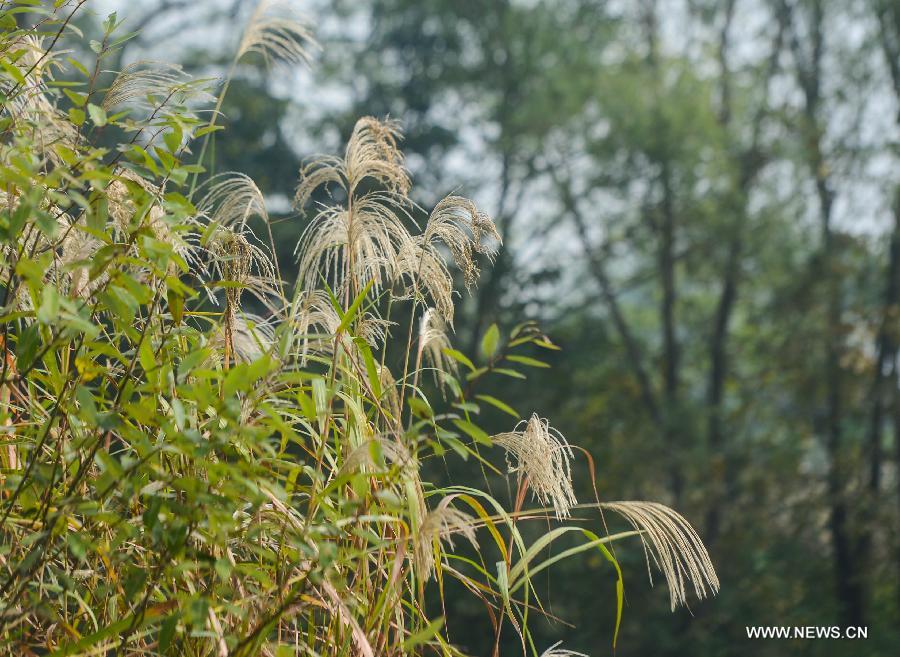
[
  {"x": 364, "y": 239},
  {"x": 242, "y": 266},
  {"x": 556, "y": 651},
  {"x": 674, "y": 546},
  {"x": 365, "y": 455},
  {"x": 357, "y": 244},
  {"x": 315, "y": 321},
  {"x": 30, "y": 102},
  {"x": 275, "y": 32},
  {"x": 146, "y": 84},
  {"x": 542, "y": 455},
  {"x": 76, "y": 249},
  {"x": 121, "y": 194},
  {"x": 433, "y": 341},
  {"x": 251, "y": 337},
  {"x": 372, "y": 152},
  {"x": 426, "y": 275},
  {"x": 440, "y": 525},
  {"x": 231, "y": 199},
  {"x": 76, "y": 246},
  {"x": 463, "y": 228}
]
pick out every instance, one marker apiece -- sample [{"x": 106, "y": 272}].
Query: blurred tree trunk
[
  {"x": 888, "y": 15},
  {"x": 808, "y": 61},
  {"x": 664, "y": 222},
  {"x": 748, "y": 161},
  {"x": 622, "y": 327}
]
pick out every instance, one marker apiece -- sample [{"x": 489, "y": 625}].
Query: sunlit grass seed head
[
  {"x": 275, "y": 32},
  {"x": 440, "y": 525},
  {"x": 31, "y": 102},
  {"x": 557, "y": 651},
  {"x": 231, "y": 200},
  {"x": 542, "y": 455},
  {"x": 674, "y": 546},
  {"x": 433, "y": 343},
  {"x": 241, "y": 265},
  {"x": 465, "y": 230},
  {"x": 251, "y": 336}
]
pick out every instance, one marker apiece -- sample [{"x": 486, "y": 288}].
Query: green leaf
[
  {"x": 48, "y": 312},
  {"x": 371, "y": 368},
  {"x": 424, "y": 635},
  {"x": 77, "y": 97},
  {"x": 525, "y": 360},
  {"x": 176, "y": 306},
  {"x": 490, "y": 342},
  {"x": 354, "y": 307},
  {"x": 459, "y": 357},
  {"x": 76, "y": 116},
  {"x": 476, "y": 433},
  {"x": 496, "y": 403},
  {"x": 98, "y": 115},
  {"x": 510, "y": 373}
]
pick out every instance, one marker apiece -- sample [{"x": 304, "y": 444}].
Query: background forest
[{"x": 700, "y": 204}]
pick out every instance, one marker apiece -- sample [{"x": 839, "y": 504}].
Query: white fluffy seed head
[
  {"x": 441, "y": 524},
  {"x": 464, "y": 230},
  {"x": 275, "y": 32},
  {"x": 231, "y": 199},
  {"x": 542, "y": 454}
]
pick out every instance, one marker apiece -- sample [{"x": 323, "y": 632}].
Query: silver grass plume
[
  {"x": 556, "y": 651},
  {"x": 31, "y": 103},
  {"x": 441, "y": 524},
  {"x": 315, "y": 321},
  {"x": 147, "y": 84},
  {"x": 76, "y": 246},
  {"x": 464, "y": 229},
  {"x": 543, "y": 456},
  {"x": 458, "y": 225},
  {"x": 363, "y": 239},
  {"x": 362, "y": 242},
  {"x": 392, "y": 451},
  {"x": 245, "y": 266},
  {"x": 231, "y": 199},
  {"x": 433, "y": 341},
  {"x": 276, "y": 33},
  {"x": 373, "y": 152},
  {"x": 251, "y": 337},
  {"x": 674, "y": 546}
]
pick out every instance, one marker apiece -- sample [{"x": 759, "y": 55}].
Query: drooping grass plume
[
  {"x": 241, "y": 265},
  {"x": 674, "y": 547},
  {"x": 232, "y": 199},
  {"x": 275, "y": 32},
  {"x": 149, "y": 84},
  {"x": 542, "y": 458},
  {"x": 458, "y": 224},
  {"x": 556, "y": 651}
]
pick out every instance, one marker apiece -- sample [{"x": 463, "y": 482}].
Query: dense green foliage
[{"x": 201, "y": 456}]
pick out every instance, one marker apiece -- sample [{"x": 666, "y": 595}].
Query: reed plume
[
  {"x": 275, "y": 32},
  {"x": 542, "y": 457},
  {"x": 674, "y": 546}
]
